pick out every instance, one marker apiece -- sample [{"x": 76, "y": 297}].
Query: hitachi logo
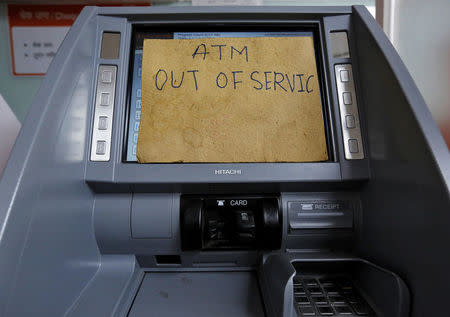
[{"x": 228, "y": 172}]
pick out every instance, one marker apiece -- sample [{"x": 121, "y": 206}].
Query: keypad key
[
  {"x": 337, "y": 299},
  {"x": 302, "y": 300},
  {"x": 325, "y": 310},
  {"x": 307, "y": 311},
  {"x": 343, "y": 310},
  {"x": 299, "y": 290},
  {"x": 310, "y": 282},
  {"x": 331, "y": 290},
  {"x": 320, "y": 299},
  {"x": 327, "y": 282},
  {"x": 315, "y": 290},
  {"x": 298, "y": 281}
]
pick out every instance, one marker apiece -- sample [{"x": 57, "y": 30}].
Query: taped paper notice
[
  {"x": 36, "y": 31},
  {"x": 231, "y": 100}
]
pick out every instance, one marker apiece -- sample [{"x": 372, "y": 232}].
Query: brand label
[{"x": 228, "y": 172}]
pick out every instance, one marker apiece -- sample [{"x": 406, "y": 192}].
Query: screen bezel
[{"x": 233, "y": 27}]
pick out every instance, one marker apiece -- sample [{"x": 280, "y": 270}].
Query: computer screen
[{"x": 135, "y": 89}]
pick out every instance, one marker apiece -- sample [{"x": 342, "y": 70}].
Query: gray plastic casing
[{"x": 77, "y": 237}]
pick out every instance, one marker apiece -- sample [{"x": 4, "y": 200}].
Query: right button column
[{"x": 348, "y": 108}]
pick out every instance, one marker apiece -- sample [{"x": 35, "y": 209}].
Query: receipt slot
[{"x": 233, "y": 223}]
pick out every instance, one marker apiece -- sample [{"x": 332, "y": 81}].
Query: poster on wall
[{"x": 37, "y": 31}]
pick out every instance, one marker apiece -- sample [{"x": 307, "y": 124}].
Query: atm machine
[{"x": 88, "y": 231}]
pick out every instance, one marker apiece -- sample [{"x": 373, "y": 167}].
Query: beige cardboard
[{"x": 269, "y": 109}]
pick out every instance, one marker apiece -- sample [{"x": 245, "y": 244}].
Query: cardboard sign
[{"x": 231, "y": 100}]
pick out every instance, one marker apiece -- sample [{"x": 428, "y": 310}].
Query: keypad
[{"x": 335, "y": 296}]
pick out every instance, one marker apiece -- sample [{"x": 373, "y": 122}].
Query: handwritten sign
[{"x": 230, "y": 100}]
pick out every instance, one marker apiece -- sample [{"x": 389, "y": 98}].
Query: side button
[
  {"x": 103, "y": 123},
  {"x": 101, "y": 148},
  {"x": 353, "y": 146},
  {"x": 107, "y": 76},
  {"x": 103, "y": 114},
  {"x": 347, "y": 98},
  {"x": 344, "y": 76},
  {"x": 350, "y": 121},
  {"x": 348, "y": 109},
  {"x": 104, "y": 99}
]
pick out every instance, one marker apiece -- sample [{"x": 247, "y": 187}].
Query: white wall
[
  {"x": 9, "y": 129},
  {"x": 420, "y": 32}
]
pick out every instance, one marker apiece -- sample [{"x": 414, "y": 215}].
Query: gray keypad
[{"x": 329, "y": 296}]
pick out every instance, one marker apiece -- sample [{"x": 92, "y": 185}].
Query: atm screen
[{"x": 135, "y": 87}]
